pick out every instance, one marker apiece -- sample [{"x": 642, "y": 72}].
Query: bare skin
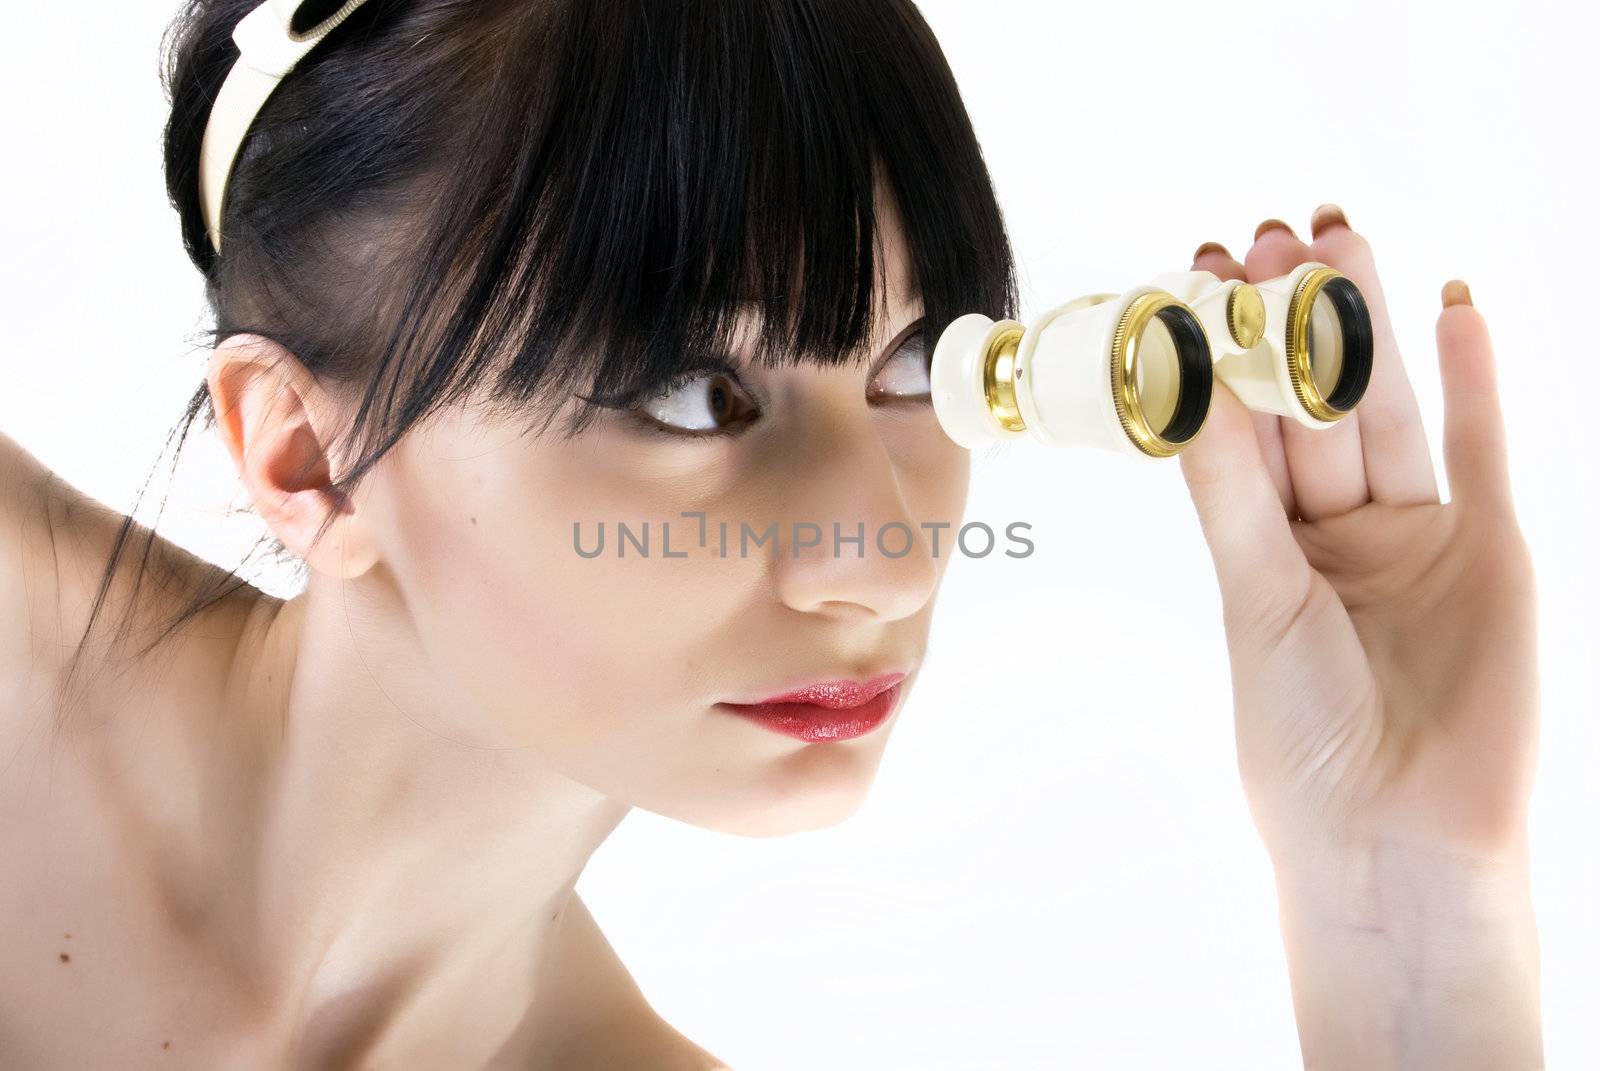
[
  {"x": 344, "y": 830},
  {"x": 334, "y": 832},
  {"x": 134, "y": 851},
  {"x": 1386, "y": 693}
]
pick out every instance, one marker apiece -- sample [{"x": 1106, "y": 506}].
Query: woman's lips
[{"x": 827, "y": 710}]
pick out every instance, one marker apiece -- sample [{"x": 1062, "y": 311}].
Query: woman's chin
[{"x": 816, "y": 787}]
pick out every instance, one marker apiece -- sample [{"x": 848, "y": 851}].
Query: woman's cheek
[
  {"x": 566, "y": 648},
  {"x": 934, "y": 471}
]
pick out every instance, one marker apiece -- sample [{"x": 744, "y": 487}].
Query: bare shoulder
[
  {"x": 55, "y": 543},
  {"x": 643, "y": 1039},
  {"x": 615, "y": 1026},
  {"x": 27, "y": 564}
]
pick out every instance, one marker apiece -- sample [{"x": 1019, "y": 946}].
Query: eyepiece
[{"x": 1000, "y": 379}]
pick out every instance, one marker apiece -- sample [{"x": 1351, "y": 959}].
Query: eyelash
[{"x": 650, "y": 424}]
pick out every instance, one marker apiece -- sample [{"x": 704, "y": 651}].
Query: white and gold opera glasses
[{"x": 1133, "y": 372}]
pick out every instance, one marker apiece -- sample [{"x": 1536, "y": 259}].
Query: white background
[{"x": 1056, "y": 867}]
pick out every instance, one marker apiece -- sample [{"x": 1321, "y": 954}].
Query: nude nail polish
[
  {"x": 1329, "y": 215},
  {"x": 1455, "y": 293},
  {"x": 1268, "y": 224}
]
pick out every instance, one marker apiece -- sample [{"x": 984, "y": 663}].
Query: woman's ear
[{"x": 275, "y": 420}]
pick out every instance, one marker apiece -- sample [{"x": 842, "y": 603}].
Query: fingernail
[
  {"x": 1456, "y": 293},
  {"x": 1210, "y": 247},
  {"x": 1268, "y": 224},
  {"x": 1327, "y": 216}
]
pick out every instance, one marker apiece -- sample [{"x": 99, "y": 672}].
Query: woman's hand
[{"x": 1385, "y": 687}]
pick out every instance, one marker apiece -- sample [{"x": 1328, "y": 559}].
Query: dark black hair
[{"x": 527, "y": 200}]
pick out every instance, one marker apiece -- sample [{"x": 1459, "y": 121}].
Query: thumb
[
  {"x": 1474, "y": 430},
  {"x": 1260, "y": 567}
]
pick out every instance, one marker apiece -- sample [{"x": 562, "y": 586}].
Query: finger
[
  {"x": 1325, "y": 464},
  {"x": 1474, "y": 429},
  {"x": 1216, "y": 259},
  {"x": 1394, "y": 445},
  {"x": 1261, "y": 569}
]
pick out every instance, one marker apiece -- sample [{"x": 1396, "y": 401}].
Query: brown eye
[{"x": 708, "y": 402}]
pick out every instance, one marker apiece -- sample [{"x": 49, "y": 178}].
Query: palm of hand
[{"x": 1382, "y": 644}]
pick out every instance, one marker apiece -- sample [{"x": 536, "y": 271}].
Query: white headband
[{"x": 268, "y": 50}]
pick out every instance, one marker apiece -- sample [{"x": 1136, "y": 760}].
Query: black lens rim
[
  {"x": 1195, "y": 374},
  {"x": 1355, "y": 328}
]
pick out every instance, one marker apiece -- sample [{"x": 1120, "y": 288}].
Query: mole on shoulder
[
  {"x": 166, "y": 1044},
  {"x": 474, "y": 520},
  {"x": 65, "y": 958}
]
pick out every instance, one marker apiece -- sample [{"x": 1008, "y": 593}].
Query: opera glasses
[{"x": 1133, "y": 372}]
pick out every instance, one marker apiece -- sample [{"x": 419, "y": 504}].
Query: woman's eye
[
  {"x": 708, "y": 403},
  {"x": 905, "y": 374}
]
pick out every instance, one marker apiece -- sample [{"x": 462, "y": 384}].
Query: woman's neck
[{"x": 388, "y": 855}]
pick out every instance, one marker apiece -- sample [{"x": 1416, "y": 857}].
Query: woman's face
[{"x": 612, "y": 666}]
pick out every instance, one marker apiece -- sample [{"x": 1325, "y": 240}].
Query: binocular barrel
[{"x": 1133, "y": 372}]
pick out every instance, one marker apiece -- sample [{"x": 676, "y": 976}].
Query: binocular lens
[
  {"x": 1331, "y": 346},
  {"x": 1170, "y": 377},
  {"x": 1325, "y": 340}
]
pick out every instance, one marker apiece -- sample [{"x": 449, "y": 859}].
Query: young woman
[{"x": 490, "y": 270}]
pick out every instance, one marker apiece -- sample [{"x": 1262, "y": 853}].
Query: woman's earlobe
[{"x": 345, "y": 551}]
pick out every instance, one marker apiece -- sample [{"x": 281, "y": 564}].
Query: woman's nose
[{"x": 852, "y": 545}]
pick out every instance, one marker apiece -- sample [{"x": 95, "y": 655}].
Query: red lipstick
[{"x": 827, "y": 710}]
